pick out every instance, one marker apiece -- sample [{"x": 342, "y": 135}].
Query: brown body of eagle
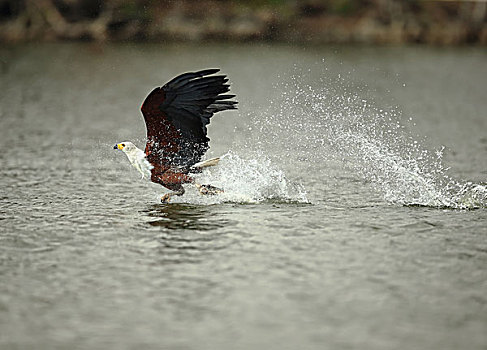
[{"x": 176, "y": 116}]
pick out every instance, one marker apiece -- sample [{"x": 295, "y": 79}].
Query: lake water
[{"x": 354, "y": 213}]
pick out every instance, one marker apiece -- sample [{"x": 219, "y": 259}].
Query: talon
[
  {"x": 208, "y": 189},
  {"x": 203, "y": 190},
  {"x": 165, "y": 198}
]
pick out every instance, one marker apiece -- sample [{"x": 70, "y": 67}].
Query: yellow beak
[{"x": 119, "y": 146}]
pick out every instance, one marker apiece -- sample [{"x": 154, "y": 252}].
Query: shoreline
[{"x": 381, "y": 22}]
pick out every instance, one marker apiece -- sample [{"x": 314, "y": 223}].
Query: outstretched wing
[{"x": 176, "y": 116}]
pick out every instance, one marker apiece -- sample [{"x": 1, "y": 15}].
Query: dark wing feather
[{"x": 176, "y": 116}]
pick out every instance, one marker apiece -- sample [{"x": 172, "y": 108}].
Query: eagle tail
[{"x": 207, "y": 163}]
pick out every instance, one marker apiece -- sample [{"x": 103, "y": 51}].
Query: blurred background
[{"x": 443, "y": 22}]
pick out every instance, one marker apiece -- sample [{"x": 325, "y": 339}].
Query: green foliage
[
  {"x": 344, "y": 7},
  {"x": 263, "y": 3},
  {"x": 134, "y": 10}
]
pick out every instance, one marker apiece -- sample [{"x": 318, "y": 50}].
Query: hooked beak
[{"x": 118, "y": 146}]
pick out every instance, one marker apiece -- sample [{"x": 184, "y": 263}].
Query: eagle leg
[
  {"x": 208, "y": 189},
  {"x": 167, "y": 197}
]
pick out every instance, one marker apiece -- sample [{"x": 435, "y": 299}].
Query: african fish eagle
[{"x": 176, "y": 116}]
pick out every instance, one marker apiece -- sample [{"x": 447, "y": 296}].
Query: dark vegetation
[{"x": 318, "y": 21}]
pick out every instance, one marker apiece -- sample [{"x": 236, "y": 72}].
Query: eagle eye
[{"x": 123, "y": 144}]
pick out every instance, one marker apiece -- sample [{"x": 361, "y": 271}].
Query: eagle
[{"x": 176, "y": 116}]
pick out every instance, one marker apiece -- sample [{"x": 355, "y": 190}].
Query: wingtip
[{"x": 208, "y": 71}]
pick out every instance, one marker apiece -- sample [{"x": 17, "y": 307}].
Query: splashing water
[
  {"x": 248, "y": 180},
  {"x": 327, "y": 124},
  {"x": 323, "y": 124}
]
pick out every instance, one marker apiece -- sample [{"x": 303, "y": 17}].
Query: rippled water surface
[{"x": 354, "y": 213}]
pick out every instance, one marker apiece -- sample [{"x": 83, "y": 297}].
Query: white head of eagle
[{"x": 136, "y": 157}]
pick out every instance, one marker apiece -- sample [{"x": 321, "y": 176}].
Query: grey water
[{"x": 354, "y": 213}]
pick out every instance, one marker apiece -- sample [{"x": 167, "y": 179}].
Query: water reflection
[
  {"x": 185, "y": 216},
  {"x": 189, "y": 233}
]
